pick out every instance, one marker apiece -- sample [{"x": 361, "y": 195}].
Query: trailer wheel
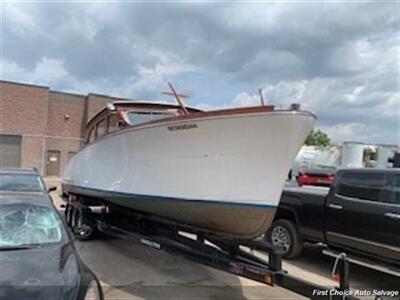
[
  {"x": 68, "y": 215},
  {"x": 284, "y": 235},
  {"x": 80, "y": 225}
]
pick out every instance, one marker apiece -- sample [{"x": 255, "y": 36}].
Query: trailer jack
[{"x": 340, "y": 271}]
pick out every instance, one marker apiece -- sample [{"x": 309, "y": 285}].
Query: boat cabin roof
[
  {"x": 151, "y": 104},
  {"x": 120, "y": 114},
  {"x": 139, "y": 106}
]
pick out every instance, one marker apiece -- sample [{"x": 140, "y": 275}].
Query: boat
[{"x": 220, "y": 171}]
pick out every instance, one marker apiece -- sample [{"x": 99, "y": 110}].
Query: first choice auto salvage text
[{"x": 376, "y": 293}]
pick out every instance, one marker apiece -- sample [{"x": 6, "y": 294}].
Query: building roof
[{"x": 25, "y": 84}]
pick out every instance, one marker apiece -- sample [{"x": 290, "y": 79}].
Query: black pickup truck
[{"x": 359, "y": 214}]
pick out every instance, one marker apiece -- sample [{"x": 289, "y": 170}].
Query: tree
[{"x": 318, "y": 138}]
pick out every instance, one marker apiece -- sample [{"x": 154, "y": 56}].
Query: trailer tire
[
  {"x": 284, "y": 234},
  {"x": 68, "y": 215},
  {"x": 81, "y": 225}
]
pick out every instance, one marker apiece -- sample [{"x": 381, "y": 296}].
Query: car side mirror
[{"x": 52, "y": 189}]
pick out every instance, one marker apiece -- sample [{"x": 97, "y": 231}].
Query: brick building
[{"x": 42, "y": 128}]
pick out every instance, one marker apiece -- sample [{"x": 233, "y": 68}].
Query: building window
[
  {"x": 53, "y": 163},
  {"x": 10, "y": 151}
]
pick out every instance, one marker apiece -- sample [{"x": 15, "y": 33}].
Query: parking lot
[{"x": 129, "y": 270}]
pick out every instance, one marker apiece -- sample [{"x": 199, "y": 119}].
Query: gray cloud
[{"x": 338, "y": 59}]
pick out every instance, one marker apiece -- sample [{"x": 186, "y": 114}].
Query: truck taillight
[{"x": 302, "y": 179}]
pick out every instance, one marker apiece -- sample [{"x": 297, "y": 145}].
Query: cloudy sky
[{"x": 340, "y": 60}]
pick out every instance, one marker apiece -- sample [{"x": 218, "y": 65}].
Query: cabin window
[
  {"x": 112, "y": 123},
  {"x": 92, "y": 135},
  {"x": 135, "y": 118},
  {"x": 101, "y": 128}
]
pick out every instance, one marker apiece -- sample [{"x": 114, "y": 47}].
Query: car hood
[{"x": 40, "y": 273}]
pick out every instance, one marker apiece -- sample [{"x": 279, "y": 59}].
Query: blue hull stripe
[{"x": 109, "y": 194}]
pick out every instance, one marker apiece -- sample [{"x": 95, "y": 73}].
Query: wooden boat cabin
[{"x": 122, "y": 114}]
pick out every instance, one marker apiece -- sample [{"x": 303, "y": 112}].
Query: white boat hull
[{"x": 174, "y": 169}]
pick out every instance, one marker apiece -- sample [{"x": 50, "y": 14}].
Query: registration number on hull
[{"x": 182, "y": 127}]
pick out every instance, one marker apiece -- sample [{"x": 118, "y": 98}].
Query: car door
[
  {"x": 358, "y": 214},
  {"x": 394, "y": 214}
]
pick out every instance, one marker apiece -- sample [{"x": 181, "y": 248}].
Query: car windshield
[
  {"x": 20, "y": 183},
  {"x": 28, "y": 225}
]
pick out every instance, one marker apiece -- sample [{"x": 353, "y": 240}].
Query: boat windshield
[
  {"x": 25, "y": 225},
  {"x": 135, "y": 117}
]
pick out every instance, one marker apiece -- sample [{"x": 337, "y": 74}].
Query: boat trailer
[{"x": 235, "y": 257}]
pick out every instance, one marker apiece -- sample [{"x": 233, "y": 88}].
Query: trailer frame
[{"x": 232, "y": 256}]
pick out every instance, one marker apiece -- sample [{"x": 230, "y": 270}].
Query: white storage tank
[
  {"x": 352, "y": 155},
  {"x": 304, "y": 159},
  {"x": 316, "y": 157},
  {"x": 384, "y": 153}
]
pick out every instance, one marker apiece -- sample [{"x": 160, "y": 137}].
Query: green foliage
[{"x": 318, "y": 138}]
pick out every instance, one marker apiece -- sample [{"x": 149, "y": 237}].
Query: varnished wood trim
[
  {"x": 191, "y": 116},
  {"x": 212, "y": 113}
]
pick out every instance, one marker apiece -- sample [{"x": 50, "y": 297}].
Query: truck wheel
[{"x": 284, "y": 235}]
